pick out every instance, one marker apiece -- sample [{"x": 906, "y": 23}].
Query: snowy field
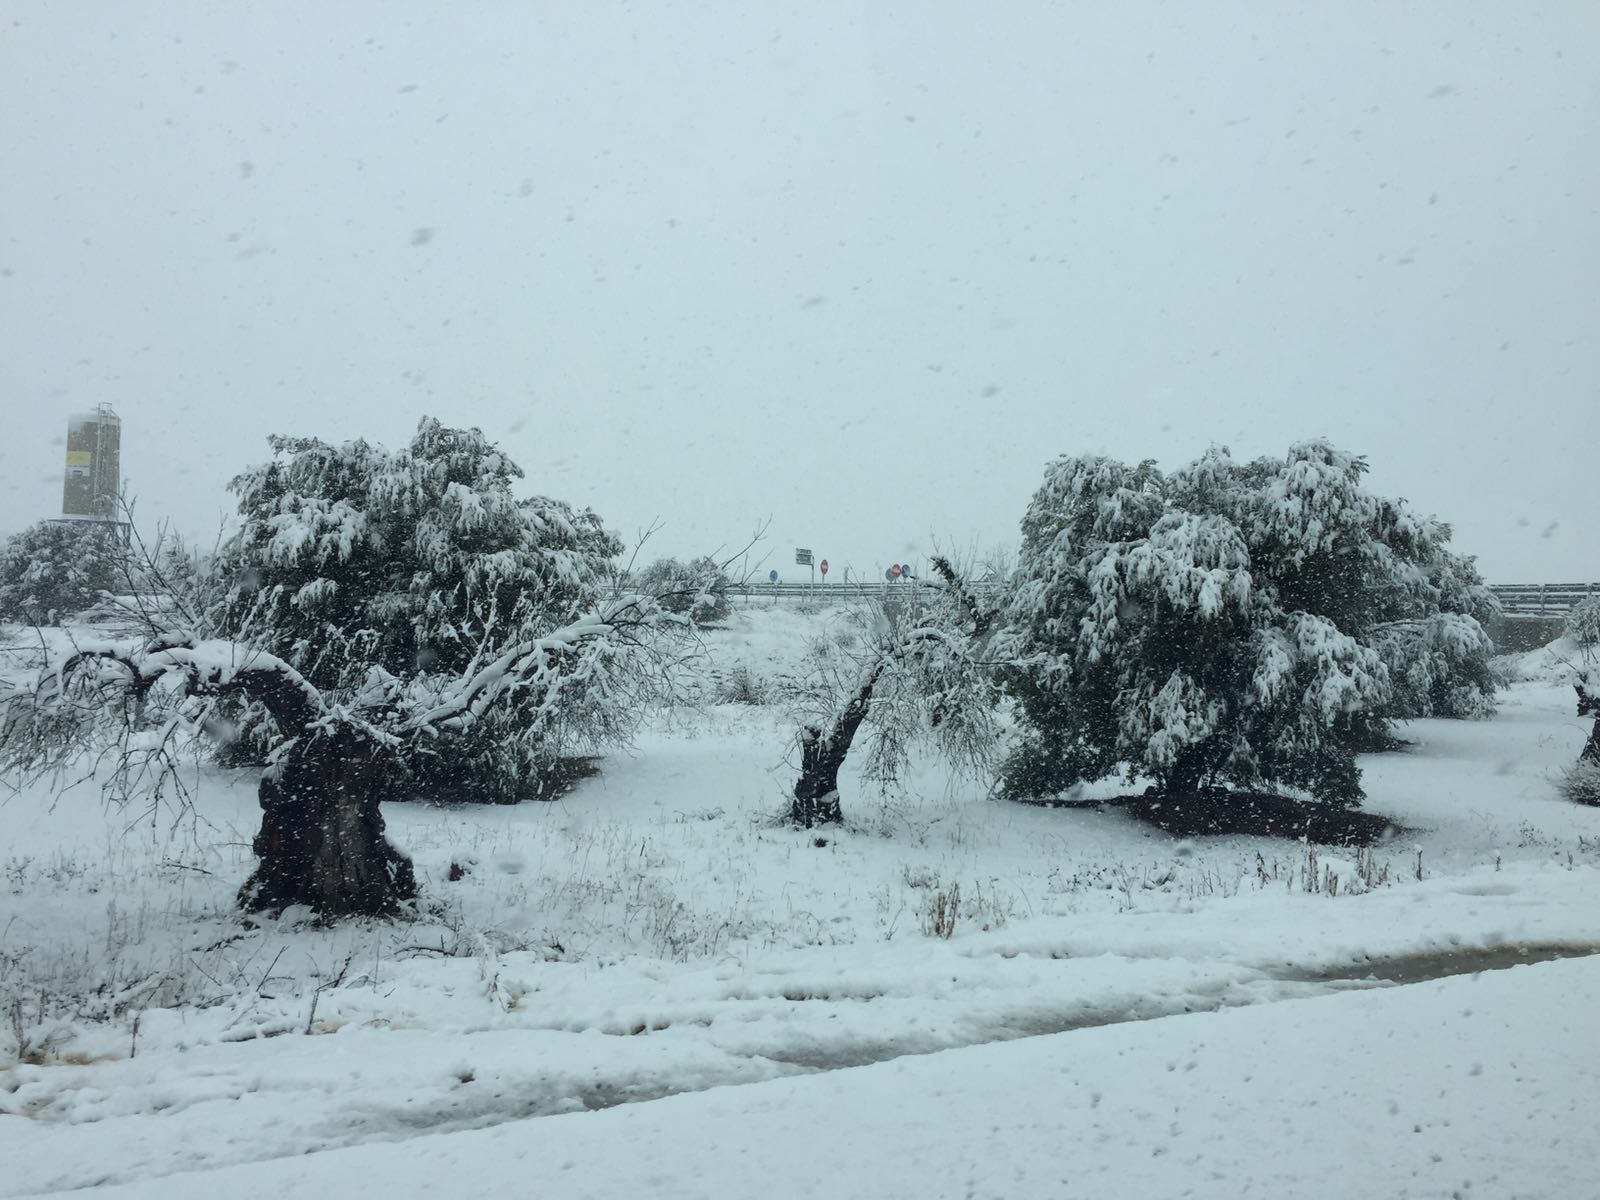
[{"x": 652, "y": 987}]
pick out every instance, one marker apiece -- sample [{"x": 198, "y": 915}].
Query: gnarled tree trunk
[
  {"x": 1183, "y": 779},
  {"x": 321, "y": 841},
  {"x": 822, "y": 753},
  {"x": 1589, "y": 703},
  {"x": 816, "y": 792}
]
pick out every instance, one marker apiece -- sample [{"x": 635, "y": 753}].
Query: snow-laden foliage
[
  {"x": 386, "y": 576},
  {"x": 1583, "y": 626},
  {"x": 337, "y": 756},
  {"x": 698, "y": 588},
  {"x": 1230, "y": 623},
  {"x": 936, "y": 691},
  {"x": 1433, "y": 638},
  {"x": 908, "y": 675},
  {"x": 55, "y": 569},
  {"x": 1439, "y": 666},
  {"x": 399, "y": 625},
  {"x": 1582, "y": 781},
  {"x": 139, "y": 709}
]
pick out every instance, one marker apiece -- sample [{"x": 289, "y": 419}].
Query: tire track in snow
[{"x": 495, "y": 1097}]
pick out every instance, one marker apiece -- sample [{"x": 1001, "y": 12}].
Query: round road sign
[
  {"x": 823, "y": 566},
  {"x": 772, "y": 577}
]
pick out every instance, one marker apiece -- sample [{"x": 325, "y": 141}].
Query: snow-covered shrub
[
  {"x": 1228, "y": 624},
  {"x": 699, "y": 588},
  {"x": 741, "y": 685},
  {"x": 383, "y": 576},
  {"x": 1581, "y": 783},
  {"x": 913, "y": 674},
  {"x": 1439, "y": 666},
  {"x": 57, "y": 568},
  {"x": 1434, "y": 643},
  {"x": 1583, "y": 625}
]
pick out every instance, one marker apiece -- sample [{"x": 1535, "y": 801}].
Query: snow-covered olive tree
[
  {"x": 1380, "y": 571},
  {"x": 1228, "y": 624},
  {"x": 698, "y": 587},
  {"x": 1582, "y": 782},
  {"x": 1582, "y": 627},
  {"x": 916, "y": 674},
  {"x": 395, "y": 573},
  {"x": 1430, "y": 627},
  {"x": 57, "y": 568},
  {"x": 321, "y": 842}
]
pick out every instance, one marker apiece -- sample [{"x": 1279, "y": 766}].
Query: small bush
[
  {"x": 1581, "y": 783},
  {"x": 741, "y": 686},
  {"x": 1583, "y": 624},
  {"x": 56, "y": 569},
  {"x": 940, "y": 910},
  {"x": 699, "y": 588}
]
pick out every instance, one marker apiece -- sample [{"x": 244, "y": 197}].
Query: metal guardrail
[
  {"x": 823, "y": 592},
  {"x": 1516, "y": 599},
  {"x": 1542, "y": 599}
]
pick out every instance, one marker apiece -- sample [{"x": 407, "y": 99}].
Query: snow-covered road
[
  {"x": 439, "y": 1052},
  {"x": 1470, "y": 1086}
]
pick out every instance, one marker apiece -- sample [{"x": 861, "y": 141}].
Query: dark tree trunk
[
  {"x": 981, "y": 619},
  {"x": 816, "y": 792},
  {"x": 1591, "y": 749},
  {"x": 321, "y": 842},
  {"x": 1184, "y": 777}
]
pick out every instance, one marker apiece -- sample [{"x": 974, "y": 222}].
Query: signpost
[{"x": 804, "y": 559}]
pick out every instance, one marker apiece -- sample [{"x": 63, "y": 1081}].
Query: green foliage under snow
[
  {"x": 698, "y": 588},
  {"x": 55, "y": 569},
  {"x": 1231, "y": 623},
  {"x": 383, "y": 576},
  {"x": 1583, "y": 625}
]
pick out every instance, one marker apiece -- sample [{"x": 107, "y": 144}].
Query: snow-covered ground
[
  {"x": 1214, "y": 1018},
  {"x": 1466, "y": 1087}
]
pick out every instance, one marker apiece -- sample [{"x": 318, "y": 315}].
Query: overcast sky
[{"x": 859, "y": 269}]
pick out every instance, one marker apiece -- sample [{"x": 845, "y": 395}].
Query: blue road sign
[{"x": 772, "y": 577}]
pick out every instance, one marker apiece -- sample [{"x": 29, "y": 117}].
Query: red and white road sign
[
  {"x": 895, "y": 570},
  {"x": 823, "y": 566}
]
